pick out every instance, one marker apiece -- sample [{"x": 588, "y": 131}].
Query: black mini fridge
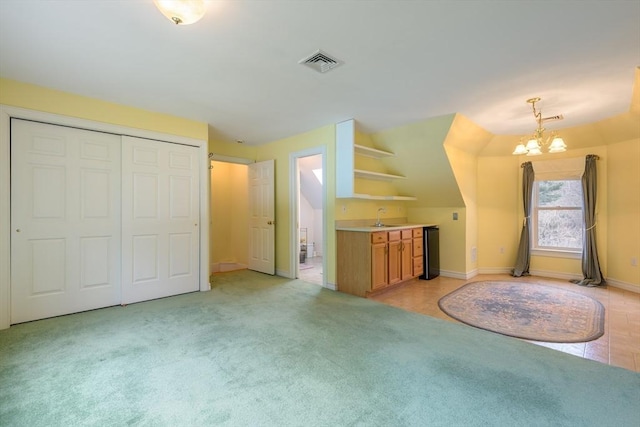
[{"x": 431, "y": 249}]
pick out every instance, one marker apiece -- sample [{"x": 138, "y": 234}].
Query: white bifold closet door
[
  {"x": 65, "y": 220},
  {"x": 99, "y": 220},
  {"x": 160, "y": 219}
]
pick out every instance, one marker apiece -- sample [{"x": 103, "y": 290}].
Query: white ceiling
[{"x": 404, "y": 61}]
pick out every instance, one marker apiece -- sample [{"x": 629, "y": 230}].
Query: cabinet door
[
  {"x": 406, "y": 259},
  {"x": 394, "y": 261},
  {"x": 378, "y": 265}
]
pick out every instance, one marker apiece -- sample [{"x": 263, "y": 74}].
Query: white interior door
[
  {"x": 65, "y": 220},
  {"x": 160, "y": 219},
  {"x": 261, "y": 217}
]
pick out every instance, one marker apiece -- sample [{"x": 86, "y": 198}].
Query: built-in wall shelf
[
  {"x": 346, "y": 173},
  {"x": 374, "y": 197},
  {"x": 359, "y": 173},
  {"x": 371, "y": 152}
]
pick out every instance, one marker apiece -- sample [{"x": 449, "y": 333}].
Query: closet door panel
[
  {"x": 65, "y": 220},
  {"x": 160, "y": 218}
]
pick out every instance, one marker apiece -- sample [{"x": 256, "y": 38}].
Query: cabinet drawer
[
  {"x": 407, "y": 234},
  {"x": 394, "y": 235},
  {"x": 418, "y": 266},
  {"x": 378, "y": 237},
  {"x": 417, "y": 247},
  {"x": 417, "y": 232}
]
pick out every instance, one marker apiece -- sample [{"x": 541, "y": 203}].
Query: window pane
[
  {"x": 560, "y": 193},
  {"x": 560, "y": 228}
]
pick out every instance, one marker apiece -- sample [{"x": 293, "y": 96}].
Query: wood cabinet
[
  {"x": 406, "y": 255},
  {"x": 370, "y": 262},
  {"x": 418, "y": 251}
]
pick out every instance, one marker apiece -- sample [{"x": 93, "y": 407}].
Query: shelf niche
[{"x": 346, "y": 150}]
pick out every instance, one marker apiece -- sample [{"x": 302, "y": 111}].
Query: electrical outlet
[
  {"x": 634, "y": 262},
  {"x": 501, "y": 249},
  {"x": 344, "y": 208},
  {"x": 455, "y": 216},
  {"x": 474, "y": 254}
]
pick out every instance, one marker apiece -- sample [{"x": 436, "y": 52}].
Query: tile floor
[
  {"x": 311, "y": 270},
  {"x": 619, "y": 346}
]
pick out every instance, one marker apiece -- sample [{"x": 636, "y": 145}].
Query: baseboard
[
  {"x": 555, "y": 275},
  {"x": 331, "y": 286},
  {"x": 219, "y": 267},
  {"x": 623, "y": 285},
  {"x": 568, "y": 276},
  {"x": 284, "y": 273},
  {"x": 495, "y": 270},
  {"x": 458, "y": 275}
]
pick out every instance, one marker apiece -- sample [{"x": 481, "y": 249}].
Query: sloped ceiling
[
  {"x": 310, "y": 187},
  {"x": 421, "y": 158},
  {"x": 404, "y": 61}
]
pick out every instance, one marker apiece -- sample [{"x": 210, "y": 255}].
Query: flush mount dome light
[{"x": 181, "y": 12}]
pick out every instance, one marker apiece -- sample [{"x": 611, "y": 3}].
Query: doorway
[{"x": 309, "y": 195}]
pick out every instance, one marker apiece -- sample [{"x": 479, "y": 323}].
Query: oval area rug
[{"x": 526, "y": 310}]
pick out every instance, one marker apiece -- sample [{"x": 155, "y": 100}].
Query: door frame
[
  {"x": 294, "y": 211},
  {"x": 8, "y": 112}
]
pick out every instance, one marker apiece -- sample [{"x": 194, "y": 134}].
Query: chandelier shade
[
  {"x": 538, "y": 140},
  {"x": 181, "y": 12}
]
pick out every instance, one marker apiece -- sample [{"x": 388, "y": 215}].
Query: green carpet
[{"x": 266, "y": 351}]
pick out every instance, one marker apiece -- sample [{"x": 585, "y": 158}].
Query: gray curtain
[
  {"x": 590, "y": 263},
  {"x": 524, "y": 250}
]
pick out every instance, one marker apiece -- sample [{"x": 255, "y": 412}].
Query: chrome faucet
[{"x": 378, "y": 223}]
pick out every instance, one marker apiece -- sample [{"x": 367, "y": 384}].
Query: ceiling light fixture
[
  {"x": 538, "y": 139},
  {"x": 181, "y": 12}
]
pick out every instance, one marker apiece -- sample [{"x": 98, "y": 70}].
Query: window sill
[{"x": 552, "y": 253}]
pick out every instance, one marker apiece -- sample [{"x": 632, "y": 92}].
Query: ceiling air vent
[{"x": 320, "y": 61}]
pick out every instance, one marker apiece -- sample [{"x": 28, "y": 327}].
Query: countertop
[{"x": 389, "y": 227}]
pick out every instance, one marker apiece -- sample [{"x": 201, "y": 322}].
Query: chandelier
[
  {"x": 538, "y": 140},
  {"x": 181, "y": 12}
]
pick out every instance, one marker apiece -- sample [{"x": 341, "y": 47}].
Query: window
[{"x": 557, "y": 223}]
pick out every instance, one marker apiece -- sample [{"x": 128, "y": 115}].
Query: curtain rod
[{"x": 594, "y": 155}]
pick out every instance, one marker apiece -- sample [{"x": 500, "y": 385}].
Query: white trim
[
  {"x": 331, "y": 286},
  {"x": 495, "y": 270},
  {"x": 8, "y": 112},
  {"x": 623, "y": 285},
  {"x": 229, "y": 159},
  {"x": 283, "y": 273},
  {"x": 555, "y": 275},
  {"x": 554, "y": 253},
  {"x": 217, "y": 267},
  {"x": 459, "y": 275},
  {"x": 294, "y": 190}
]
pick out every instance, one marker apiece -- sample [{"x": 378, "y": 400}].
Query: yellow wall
[
  {"x": 465, "y": 168},
  {"x": 39, "y": 98},
  {"x": 452, "y": 236},
  {"x": 420, "y": 156},
  {"x": 445, "y": 183},
  {"x": 231, "y": 149},
  {"x": 280, "y": 152},
  {"x": 498, "y": 219},
  {"x": 229, "y": 224},
  {"x": 623, "y": 189}
]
